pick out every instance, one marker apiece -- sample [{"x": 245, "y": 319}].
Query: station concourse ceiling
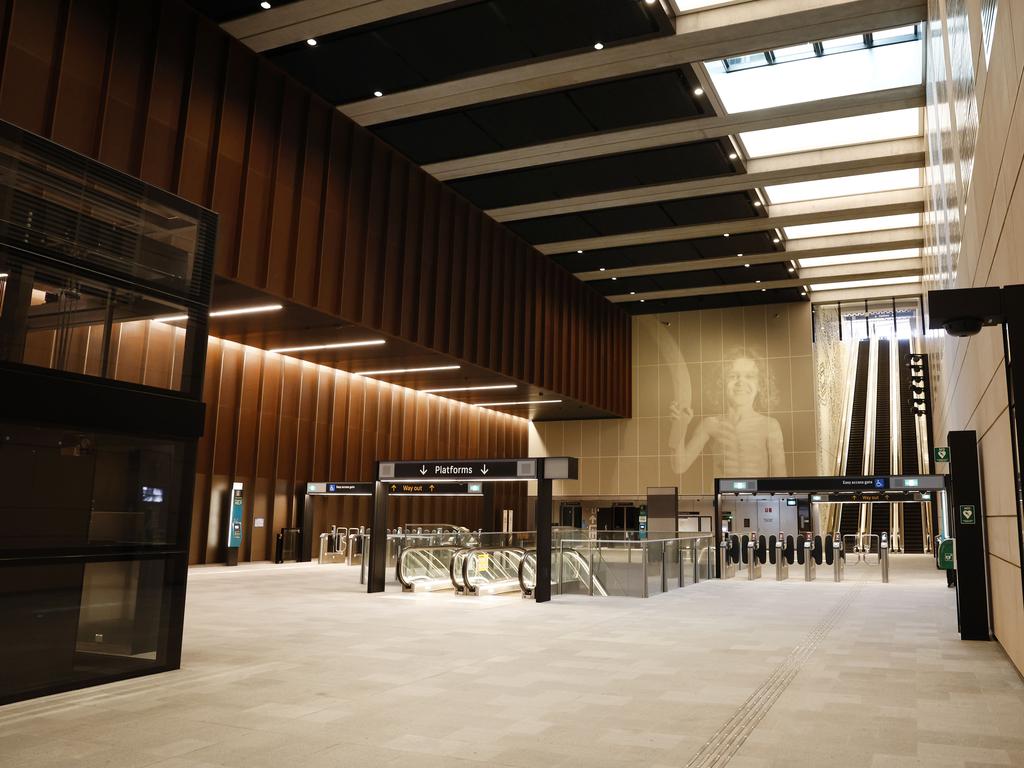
[{"x": 673, "y": 154}]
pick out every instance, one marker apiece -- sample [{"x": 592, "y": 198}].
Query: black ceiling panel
[
  {"x": 674, "y": 281},
  {"x": 411, "y": 51},
  {"x": 598, "y": 174},
  {"x": 714, "y": 301},
  {"x": 226, "y": 10},
  {"x": 636, "y": 218},
  {"x": 614, "y": 104}
]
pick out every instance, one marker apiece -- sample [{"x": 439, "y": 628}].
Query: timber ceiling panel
[
  {"x": 749, "y": 244},
  {"x": 226, "y": 10}
]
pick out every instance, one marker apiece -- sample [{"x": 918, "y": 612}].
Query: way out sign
[
  {"x": 941, "y": 453},
  {"x": 967, "y": 514}
]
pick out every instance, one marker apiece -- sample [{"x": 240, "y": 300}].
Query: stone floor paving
[{"x": 295, "y": 666}]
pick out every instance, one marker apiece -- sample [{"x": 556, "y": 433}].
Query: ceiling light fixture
[
  {"x": 601, "y": 269},
  {"x": 471, "y": 389},
  {"x": 632, "y": 293},
  {"x": 395, "y": 371},
  {"x": 615, "y": 278},
  {"x": 698, "y": 91},
  {"x": 642, "y": 300},
  {"x": 757, "y": 203},
  {"x": 726, "y": 234},
  {"x": 220, "y": 312},
  {"x": 791, "y": 270},
  {"x": 776, "y": 240},
  {"x": 598, "y": 46},
  {"x": 517, "y": 402},
  {"x": 746, "y": 265},
  {"x": 733, "y": 155},
  {"x": 3, "y": 275},
  {"x": 803, "y": 293},
  {"x": 311, "y": 41},
  {"x": 763, "y": 290},
  {"x": 739, "y": 255},
  {"x": 578, "y": 250},
  {"x": 338, "y": 345},
  {"x": 378, "y": 94},
  {"x": 757, "y": 281},
  {"x": 265, "y": 5}
]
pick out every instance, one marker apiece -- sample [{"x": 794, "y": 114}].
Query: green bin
[{"x": 944, "y": 555}]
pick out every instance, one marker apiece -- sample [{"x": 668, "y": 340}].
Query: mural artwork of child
[{"x": 745, "y": 442}]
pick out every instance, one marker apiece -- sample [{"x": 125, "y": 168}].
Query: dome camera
[{"x": 963, "y": 326}]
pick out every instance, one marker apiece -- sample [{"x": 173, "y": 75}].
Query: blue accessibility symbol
[{"x": 879, "y": 482}]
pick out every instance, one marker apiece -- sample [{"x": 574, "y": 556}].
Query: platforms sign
[{"x": 443, "y": 471}]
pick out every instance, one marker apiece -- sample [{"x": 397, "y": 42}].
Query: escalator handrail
[
  {"x": 408, "y": 552},
  {"x": 473, "y": 552}
]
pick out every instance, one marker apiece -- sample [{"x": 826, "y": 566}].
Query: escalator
[
  {"x": 880, "y": 518},
  {"x": 486, "y": 570},
  {"x": 849, "y": 514},
  {"x": 912, "y": 525},
  {"x": 426, "y": 569}
]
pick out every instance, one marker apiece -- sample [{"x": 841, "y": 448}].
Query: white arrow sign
[
  {"x": 423, "y": 469},
  {"x": 484, "y": 470}
]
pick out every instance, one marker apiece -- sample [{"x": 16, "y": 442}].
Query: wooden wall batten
[{"x": 312, "y": 207}]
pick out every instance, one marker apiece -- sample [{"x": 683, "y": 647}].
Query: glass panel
[
  {"x": 52, "y": 319},
  {"x": 840, "y": 132},
  {"x": 850, "y": 226},
  {"x": 817, "y": 77},
  {"x": 71, "y": 489},
  {"x": 75, "y": 623},
  {"x": 870, "y": 283},
  {"x": 859, "y": 258},
  {"x": 861, "y": 184}
]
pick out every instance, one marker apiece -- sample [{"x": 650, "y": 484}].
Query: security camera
[{"x": 963, "y": 326}]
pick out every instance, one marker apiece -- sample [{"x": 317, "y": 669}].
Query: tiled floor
[{"x": 293, "y": 666}]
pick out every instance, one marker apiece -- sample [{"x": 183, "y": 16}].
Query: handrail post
[
  {"x": 590, "y": 568},
  {"x": 643, "y": 553}
]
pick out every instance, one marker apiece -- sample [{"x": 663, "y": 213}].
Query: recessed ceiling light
[
  {"x": 265, "y": 5},
  {"x": 803, "y": 293},
  {"x": 651, "y": 2},
  {"x": 642, "y": 300},
  {"x": 468, "y": 389},
  {"x": 615, "y": 278},
  {"x": 517, "y": 402},
  {"x": 3, "y": 275},
  {"x": 578, "y": 250},
  {"x": 733, "y": 155},
  {"x": 394, "y": 371},
  {"x": 757, "y": 203},
  {"x": 791, "y": 269},
  {"x": 339, "y": 345},
  {"x": 632, "y": 293},
  {"x": 601, "y": 269},
  {"x": 378, "y": 94},
  {"x": 763, "y": 290},
  {"x": 739, "y": 255},
  {"x": 775, "y": 240},
  {"x": 698, "y": 91},
  {"x": 311, "y": 41},
  {"x": 726, "y": 234},
  {"x": 746, "y": 265},
  {"x": 598, "y": 46},
  {"x": 757, "y": 281}
]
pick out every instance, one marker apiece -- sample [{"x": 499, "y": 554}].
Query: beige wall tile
[
  {"x": 647, "y": 340},
  {"x": 688, "y": 324},
  {"x": 590, "y": 475},
  {"x": 609, "y": 432},
  {"x": 629, "y": 475},
  {"x": 591, "y": 438},
  {"x": 711, "y": 335},
  {"x": 754, "y": 330},
  {"x": 799, "y": 328},
  {"x": 733, "y": 335},
  {"x": 647, "y": 405},
  {"x": 804, "y": 438},
  {"x": 572, "y": 438},
  {"x": 801, "y": 371},
  {"x": 779, "y": 386},
  {"x": 648, "y": 436},
  {"x": 777, "y": 327},
  {"x": 609, "y": 480}
]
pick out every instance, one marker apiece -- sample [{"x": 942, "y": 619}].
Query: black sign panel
[
  {"x": 339, "y": 489},
  {"x": 434, "y": 489},
  {"x": 456, "y": 470}
]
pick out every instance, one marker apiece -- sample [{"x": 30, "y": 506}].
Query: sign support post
[
  {"x": 542, "y": 589},
  {"x": 377, "y": 565}
]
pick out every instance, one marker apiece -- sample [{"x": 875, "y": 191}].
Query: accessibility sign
[
  {"x": 967, "y": 514},
  {"x": 941, "y": 453}
]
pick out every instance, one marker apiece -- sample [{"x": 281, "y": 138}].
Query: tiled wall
[
  {"x": 685, "y": 357},
  {"x": 976, "y": 238}
]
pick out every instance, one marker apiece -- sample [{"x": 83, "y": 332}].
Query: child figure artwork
[{"x": 744, "y": 441}]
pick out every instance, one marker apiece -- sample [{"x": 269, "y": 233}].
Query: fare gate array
[{"x": 752, "y": 553}]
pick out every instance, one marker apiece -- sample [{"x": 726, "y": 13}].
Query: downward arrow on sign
[
  {"x": 484, "y": 470},
  {"x": 423, "y": 469}
]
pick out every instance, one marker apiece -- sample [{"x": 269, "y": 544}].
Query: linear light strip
[
  {"x": 470, "y": 389},
  {"x": 395, "y": 371},
  {"x": 518, "y": 402},
  {"x": 223, "y": 313},
  {"x": 339, "y": 345}
]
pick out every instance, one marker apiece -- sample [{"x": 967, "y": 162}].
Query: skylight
[
  {"x": 818, "y": 77},
  {"x": 841, "y": 132},
  {"x": 860, "y": 258},
  {"x": 871, "y": 283},
  {"x": 849, "y": 226},
  {"x": 861, "y": 184}
]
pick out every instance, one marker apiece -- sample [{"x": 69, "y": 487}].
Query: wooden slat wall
[
  {"x": 312, "y": 207},
  {"x": 275, "y": 423}
]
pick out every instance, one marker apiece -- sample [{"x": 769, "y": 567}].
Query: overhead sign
[
  {"x": 967, "y": 514},
  {"x": 787, "y": 485},
  {"x": 446, "y": 470},
  {"x": 435, "y": 489},
  {"x": 941, "y": 453},
  {"x": 339, "y": 489}
]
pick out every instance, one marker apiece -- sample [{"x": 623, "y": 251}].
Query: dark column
[
  {"x": 968, "y": 520},
  {"x": 1013, "y": 348},
  {"x": 717, "y": 523},
  {"x": 307, "y": 539},
  {"x": 489, "y": 520},
  {"x": 542, "y": 592},
  {"x": 377, "y": 564}
]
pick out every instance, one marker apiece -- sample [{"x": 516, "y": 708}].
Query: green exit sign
[
  {"x": 967, "y": 514},
  {"x": 941, "y": 453}
]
